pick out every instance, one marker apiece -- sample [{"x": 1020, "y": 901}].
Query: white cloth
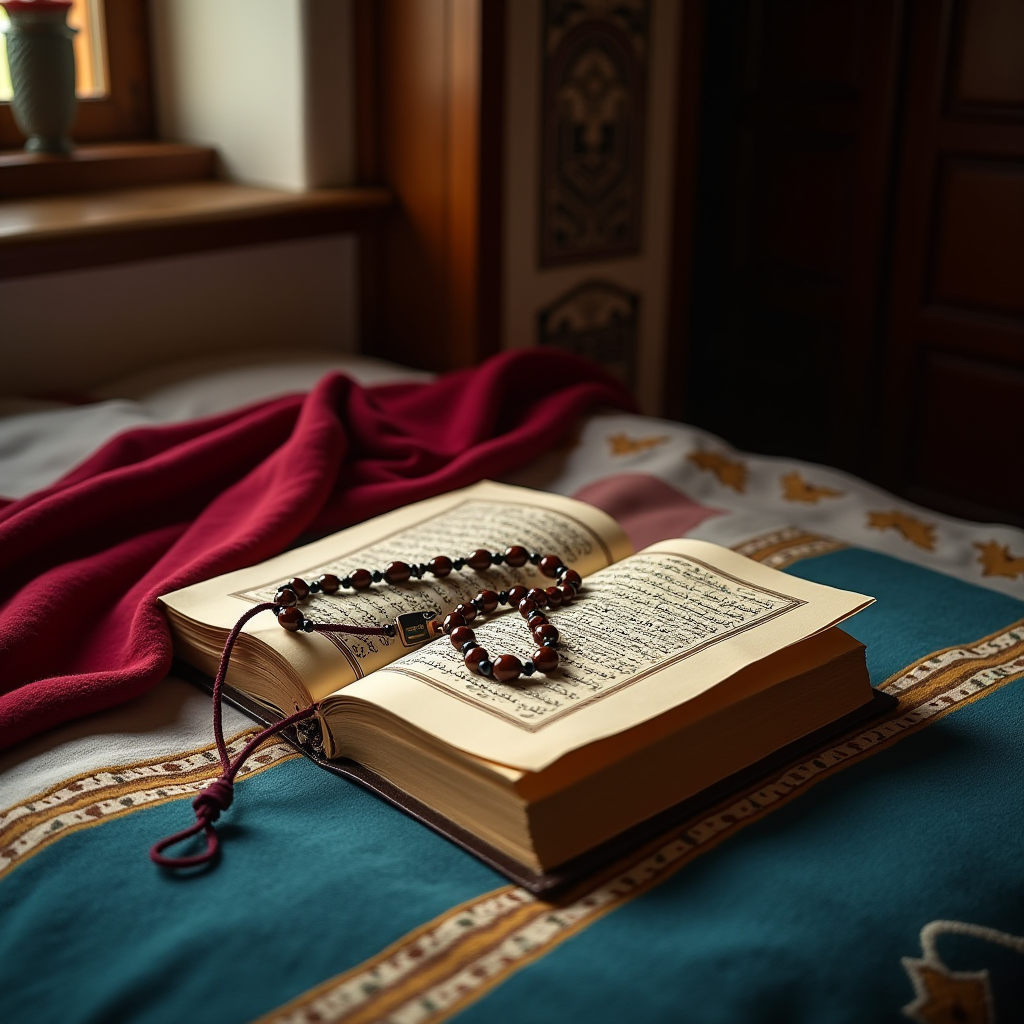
[{"x": 41, "y": 441}]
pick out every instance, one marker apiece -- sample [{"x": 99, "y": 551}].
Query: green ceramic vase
[{"x": 42, "y": 63}]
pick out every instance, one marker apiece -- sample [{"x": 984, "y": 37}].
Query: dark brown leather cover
[{"x": 559, "y": 881}]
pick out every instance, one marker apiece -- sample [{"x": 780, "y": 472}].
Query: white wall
[
  {"x": 330, "y": 99},
  {"x": 74, "y": 331},
  {"x": 269, "y": 83}
]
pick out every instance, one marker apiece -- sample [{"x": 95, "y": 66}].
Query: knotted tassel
[
  {"x": 211, "y": 801},
  {"x": 218, "y": 795}
]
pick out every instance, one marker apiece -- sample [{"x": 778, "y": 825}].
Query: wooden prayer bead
[
  {"x": 291, "y": 619},
  {"x": 473, "y": 658},
  {"x": 545, "y": 633},
  {"x": 467, "y": 611},
  {"x": 440, "y": 566},
  {"x": 516, "y": 556},
  {"x": 549, "y": 565},
  {"x": 530, "y": 602},
  {"x": 451, "y": 621},
  {"x": 480, "y": 559},
  {"x": 329, "y": 583},
  {"x": 361, "y": 579},
  {"x": 545, "y": 658},
  {"x": 460, "y": 635},
  {"x": 397, "y": 572},
  {"x": 573, "y": 578},
  {"x": 506, "y": 668}
]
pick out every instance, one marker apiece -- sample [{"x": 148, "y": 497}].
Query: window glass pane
[
  {"x": 5, "y": 72},
  {"x": 90, "y": 51}
]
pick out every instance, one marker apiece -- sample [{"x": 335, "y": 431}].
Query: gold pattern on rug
[
  {"x": 918, "y": 532},
  {"x": 780, "y": 548},
  {"x": 107, "y": 793},
  {"x": 730, "y": 472},
  {"x": 796, "y": 488},
  {"x": 948, "y": 996},
  {"x": 945, "y": 996},
  {"x": 623, "y": 444},
  {"x": 997, "y": 560}
]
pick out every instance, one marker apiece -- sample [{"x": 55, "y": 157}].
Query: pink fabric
[
  {"x": 647, "y": 508},
  {"x": 83, "y": 561}
]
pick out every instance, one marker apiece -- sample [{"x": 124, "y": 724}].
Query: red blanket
[{"x": 82, "y": 562}]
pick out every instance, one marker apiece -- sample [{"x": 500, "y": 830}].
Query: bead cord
[
  {"x": 530, "y": 602},
  {"x": 218, "y": 796}
]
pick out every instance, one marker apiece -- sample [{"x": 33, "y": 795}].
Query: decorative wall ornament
[
  {"x": 595, "y": 72},
  {"x": 597, "y": 319}
]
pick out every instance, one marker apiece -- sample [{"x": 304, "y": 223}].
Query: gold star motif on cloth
[
  {"x": 947, "y": 997},
  {"x": 730, "y": 472},
  {"x": 796, "y": 488},
  {"x": 623, "y": 444},
  {"x": 996, "y": 559},
  {"x": 918, "y": 532}
]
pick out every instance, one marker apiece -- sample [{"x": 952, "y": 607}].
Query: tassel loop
[
  {"x": 219, "y": 794},
  {"x": 156, "y": 854},
  {"x": 217, "y": 797}
]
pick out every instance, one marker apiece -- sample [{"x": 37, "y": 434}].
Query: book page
[
  {"x": 645, "y": 635},
  {"x": 486, "y": 515}
]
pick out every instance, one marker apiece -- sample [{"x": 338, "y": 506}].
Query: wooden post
[{"x": 431, "y": 85}]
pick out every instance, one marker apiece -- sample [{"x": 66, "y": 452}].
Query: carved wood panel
[
  {"x": 979, "y": 243},
  {"x": 969, "y": 421},
  {"x": 594, "y": 84},
  {"x": 953, "y": 405},
  {"x": 988, "y": 67},
  {"x": 597, "y": 319}
]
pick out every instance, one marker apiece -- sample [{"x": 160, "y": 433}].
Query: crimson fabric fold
[{"x": 83, "y": 561}]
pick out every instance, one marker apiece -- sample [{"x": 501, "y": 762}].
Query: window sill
[
  {"x": 48, "y": 234},
  {"x": 116, "y": 165}
]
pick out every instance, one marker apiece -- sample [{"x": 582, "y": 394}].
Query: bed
[{"x": 877, "y": 878}]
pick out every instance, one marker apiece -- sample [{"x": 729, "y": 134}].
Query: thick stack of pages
[{"x": 681, "y": 665}]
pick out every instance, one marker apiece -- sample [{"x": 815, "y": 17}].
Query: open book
[{"x": 680, "y": 665}]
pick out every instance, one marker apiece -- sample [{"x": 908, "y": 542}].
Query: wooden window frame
[
  {"x": 126, "y": 112},
  {"x": 158, "y": 199}
]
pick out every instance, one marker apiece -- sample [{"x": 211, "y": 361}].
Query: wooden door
[
  {"x": 791, "y": 216},
  {"x": 953, "y": 368}
]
